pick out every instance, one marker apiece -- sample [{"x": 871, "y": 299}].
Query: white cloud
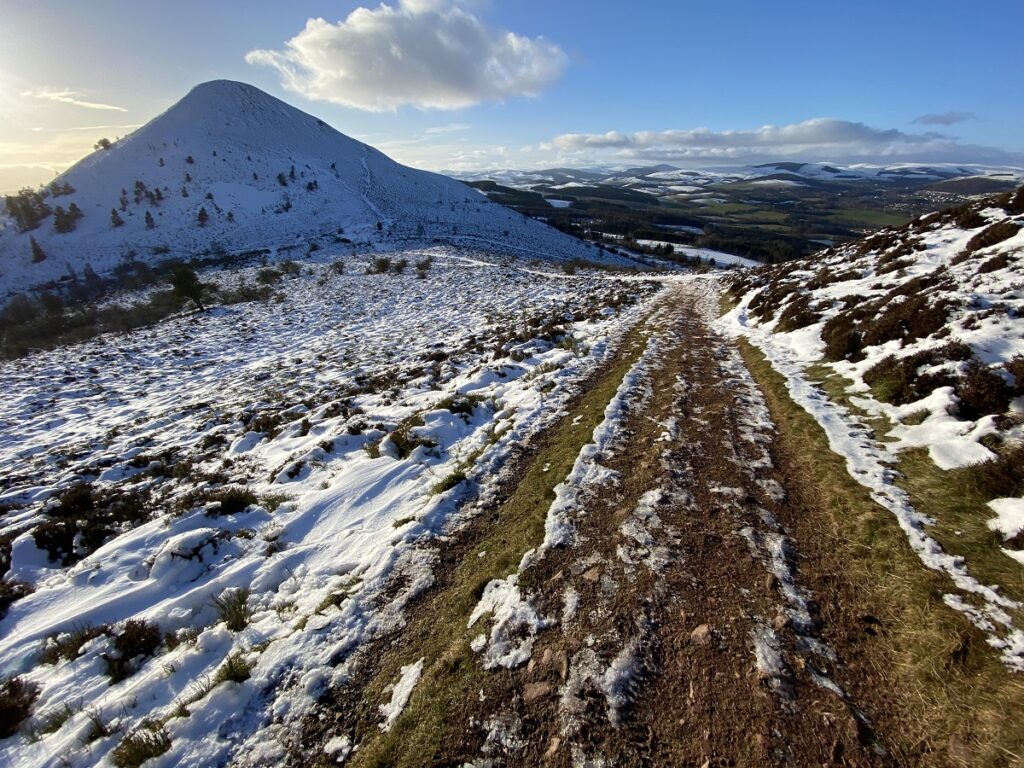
[
  {"x": 69, "y": 97},
  {"x": 433, "y": 54},
  {"x": 818, "y": 138}
]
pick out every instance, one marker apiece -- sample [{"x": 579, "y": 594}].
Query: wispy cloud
[
  {"x": 69, "y": 97},
  {"x": 432, "y": 54},
  {"x": 450, "y": 128},
  {"x": 944, "y": 118},
  {"x": 127, "y": 127}
]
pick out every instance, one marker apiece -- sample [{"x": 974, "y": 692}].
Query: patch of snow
[{"x": 408, "y": 676}]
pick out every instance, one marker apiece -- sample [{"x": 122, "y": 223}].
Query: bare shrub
[
  {"x": 16, "y": 699},
  {"x": 992, "y": 234},
  {"x": 982, "y": 391}
]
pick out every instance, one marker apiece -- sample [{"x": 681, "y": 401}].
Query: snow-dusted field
[{"x": 358, "y": 410}]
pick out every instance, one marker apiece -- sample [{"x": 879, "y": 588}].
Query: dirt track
[{"x": 682, "y": 626}]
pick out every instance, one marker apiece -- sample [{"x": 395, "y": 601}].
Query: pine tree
[
  {"x": 28, "y": 208},
  {"x": 149, "y": 220},
  {"x": 65, "y": 221},
  {"x": 38, "y": 254},
  {"x": 203, "y": 217},
  {"x": 60, "y": 219},
  {"x": 115, "y": 218}
]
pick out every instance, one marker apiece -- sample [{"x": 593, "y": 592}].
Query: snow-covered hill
[{"x": 265, "y": 174}]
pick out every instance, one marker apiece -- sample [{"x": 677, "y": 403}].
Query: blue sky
[{"x": 472, "y": 84}]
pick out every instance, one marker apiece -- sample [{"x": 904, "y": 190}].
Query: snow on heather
[
  {"x": 358, "y": 410},
  {"x": 985, "y": 302}
]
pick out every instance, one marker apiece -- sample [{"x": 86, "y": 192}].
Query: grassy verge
[
  {"x": 961, "y": 511},
  {"x": 438, "y": 631},
  {"x": 956, "y": 499},
  {"x": 953, "y": 703}
]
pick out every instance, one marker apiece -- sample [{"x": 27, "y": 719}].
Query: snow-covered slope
[
  {"x": 295, "y": 457},
  {"x": 929, "y": 316},
  {"x": 265, "y": 173}
]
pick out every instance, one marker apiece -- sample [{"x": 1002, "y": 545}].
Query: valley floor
[{"x": 629, "y": 546}]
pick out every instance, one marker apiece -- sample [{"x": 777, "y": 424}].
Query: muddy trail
[{"x": 666, "y": 615}]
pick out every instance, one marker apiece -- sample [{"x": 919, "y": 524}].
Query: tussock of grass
[
  {"x": 144, "y": 743},
  {"x": 272, "y": 501},
  {"x": 449, "y": 482},
  {"x": 406, "y": 440},
  {"x": 53, "y": 721},
  {"x": 98, "y": 729},
  {"x": 947, "y": 685},
  {"x": 235, "y": 669},
  {"x": 439, "y": 633},
  {"x": 233, "y": 608},
  {"x": 460, "y": 404},
  {"x": 338, "y": 596}
]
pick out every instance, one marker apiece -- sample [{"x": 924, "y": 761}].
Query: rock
[
  {"x": 534, "y": 691},
  {"x": 771, "y": 582},
  {"x": 593, "y": 574},
  {"x": 701, "y": 635},
  {"x": 553, "y": 746},
  {"x": 562, "y": 662},
  {"x": 780, "y": 622},
  {"x": 545, "y": 659}
]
